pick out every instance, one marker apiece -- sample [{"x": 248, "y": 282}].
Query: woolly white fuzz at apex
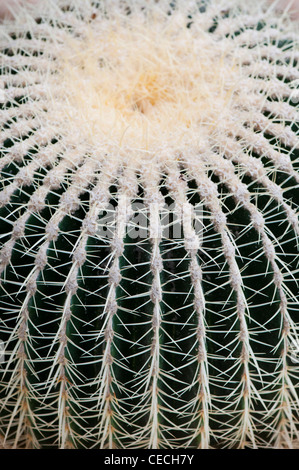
[{"x": 119, "y": 334}]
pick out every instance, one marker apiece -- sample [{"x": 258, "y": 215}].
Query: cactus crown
[
  {"x": 122, "y": 122},
  {"x": 131, "y": 99}
]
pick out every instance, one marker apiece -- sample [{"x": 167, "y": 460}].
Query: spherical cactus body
[{"x": 149, "y": 225}]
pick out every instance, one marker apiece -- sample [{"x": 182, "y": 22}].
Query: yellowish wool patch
[{"x": 142, "y": 86}]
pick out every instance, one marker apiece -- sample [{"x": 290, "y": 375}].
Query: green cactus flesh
[{"x": 149, "y": 226}]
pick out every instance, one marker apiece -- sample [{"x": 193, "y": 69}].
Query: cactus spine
[{"x": 121, "y": 123}]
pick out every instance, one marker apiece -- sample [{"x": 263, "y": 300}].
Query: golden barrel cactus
[{"x": 149, "y": 225}]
